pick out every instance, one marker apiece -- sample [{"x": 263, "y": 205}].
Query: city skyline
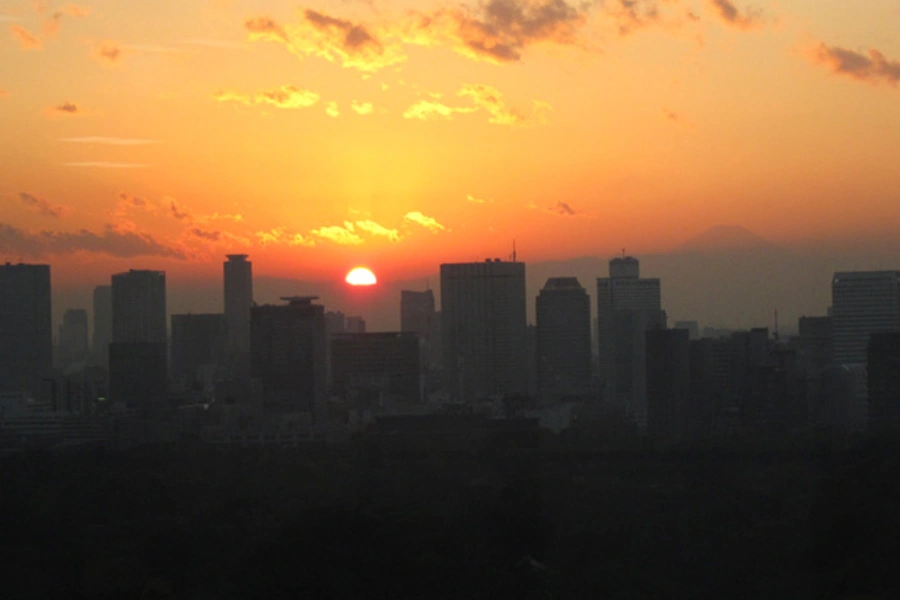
[{"x": 597, "y": 126}]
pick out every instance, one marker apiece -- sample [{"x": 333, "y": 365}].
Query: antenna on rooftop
[
  {"x": 775, "y": 334},
  {"x": 514, "y": 250}
]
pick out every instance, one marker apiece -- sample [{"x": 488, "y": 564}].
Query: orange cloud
[
  {"x": 339, "y": 235},
  {"x": 27, "y": 41},
  {"x": 42, "y": 206},
  {"x": 375, "y": 229},
  {"x": 425, "y": 110},
  {"x": 51, "y": 25},
  {"x": 872, "y": 67},
  {"x": 484, "y": 97},
  {"x": 362, "y": 108},
  {"x": 429, "y": 223},
  {"x": 332, "y": 110},
  {"x": 109, "y": 52},
  {"x": 123, "y": 244},
  {"x": 287, "y": 96},
  {"x": 730, "y": 14}
]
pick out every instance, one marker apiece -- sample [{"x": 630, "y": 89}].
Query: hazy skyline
[{"x": 399, "y": 135}]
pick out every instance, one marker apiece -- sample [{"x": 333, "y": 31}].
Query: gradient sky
[{"x": 401, "y": 134}]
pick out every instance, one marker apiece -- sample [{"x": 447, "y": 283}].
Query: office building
[
  {"x": 627, "y": 306},
  {"x": 355, "y": 325},
  {"x": 670, "y": 414},
  {"x": 563, "y": 310},
  {"x": 287, "y": 355},
  {"x": 72, "y": 342},
  {"x": 381, "y": 366},
  {"x": 417, "y": 315},
  {"x": 138, "y": 360},
  {"x": 883, "y": 373},
  {"x": 484, "y": 329},
  {"x": 198, "y": 347},
  {"x": 26, "y": 333},
  {"x": 238, "y": 281},
  {"x": 693, "y": 328},
  {"x": 863, "y": 303},
  {"x": 102, "y": 326}
]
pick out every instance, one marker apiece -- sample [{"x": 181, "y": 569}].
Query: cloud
[
  {"x": 43, "y": 207},
  {"x": 872, "y": 67},
  {"x": 51, "y": 24},
  {"x": 109, "y": 241},
  {"x": 339, "y": 235},
  {"x": 563, "y": 208},
  {"x": 109, "y": 52},
  {"x": 66, "y": 109},
  {"x": 431, "y": 109},
  {"x": 475, "y": 200},
  {"x": 500, "y": 31},
  {"x": 212, "y": 236},
  {"x": 363, "y": 108},
  {"x": 27, "y": 41},
  {"x": 217, "y": 217},
  {"x": 287, "y": 96},
  {"x": 429, "y": 223},
  {"x": 336, "y": 40},
  {"x": 331, "y": 109},
  {"x": 178, "y": 210},
  {"x": 99, "y": 164},
  {"x": 631, "y": 15},
  {"x": 730, "y": 14},
  {"x": 490, "y": 99},
  {"x": 375, "y": 229},
  {"x": 214, "y": 43},
  {"x": 108, "y": 141},
  {"x": 280, "y": 236},
  {"x": 671, "y": 115}
]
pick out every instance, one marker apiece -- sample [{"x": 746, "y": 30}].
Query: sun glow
[{"x": 361, "y": 276}]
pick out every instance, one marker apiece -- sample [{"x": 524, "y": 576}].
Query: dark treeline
[{"x": 817, "y": 519}]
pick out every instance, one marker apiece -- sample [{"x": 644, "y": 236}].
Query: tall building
[
  {"x": 198, "y": 347},
  {"x": 863, "y": 303},
  {"x": 563, "y": 310},
  {"x": 73, "y": 338},
  {"x": 355, "y": 325},
  {"x": 627, "y": 306},
  {"x": 417, "y": 315},
  {"x": 26, "y": 333},
  {"x": 102, "y": 326},
  {"x": 383, "y": 365},
  {"x": 138, "y": 373},
  {"x": 238, "y": 278},
  {"x": 287, "y": 355},
  {"x": 484, "y": 328},
  {"x": 670, "y": 415},
  {"x": 884, "y": 382}
]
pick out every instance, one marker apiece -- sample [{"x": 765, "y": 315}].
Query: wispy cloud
[
  {"x": 362, "y": 108},
  {"x": 332, "y": 110},
  {"x": 483, "y": 97},
  {"x": 476, "y": 200},
  {"x": 374, "y": 228},
  {"x": 281, "y": 236},
  {"x": 27, "y": 40},
  {"x": 731, "y": 15},
  {"x": 124, "y": 244},
  {"x": 108, "y": 141},
  {"x": 429, "y": 223},
  {"x": 43, "y": 206},
  {"x": 344, "y": 236},
  {"x": 563, "y": 209},
  {"x": 426, "y": 110},
  {"x": 51, "y": 24},
  {"x": 872, "y": 67},
  {"x": 109, "y": 53},
  {"x": 223, "y": 44},
  {"x": 287, "y": 96},
  {"x": 105, "y": 165}
]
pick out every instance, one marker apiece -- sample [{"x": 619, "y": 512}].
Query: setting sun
[{"x": 361, "y": 276}]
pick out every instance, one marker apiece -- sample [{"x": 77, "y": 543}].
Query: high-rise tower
[
  {"x": 26, "y": 334},
  {"x": 863, "y": 303},
  {"x": 238, "y": 281},
  {"x": 563, "y": 310}
]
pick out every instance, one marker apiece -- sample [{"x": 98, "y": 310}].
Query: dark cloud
[
  {"x": 66, "y": 108},
  {"x": 265, "y": 27},
  {"x": 127, "y": 244},
  {"x": 41, "y": 206},
  {"x": 355, "y": 37},
  {"x": 212, "y": 236},
  {"x": 632, "y": 15},
  {"x": 671, "y": 115},
  {"x": 178, "y": 212},
  {"x": 729, "y": 13},
  {"x": 872, "y": 67},
  {"x": 562, "y": 208},
  {"x": 108, "y": 52}
]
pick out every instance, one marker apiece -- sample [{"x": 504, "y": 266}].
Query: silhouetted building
[
  {"x": 198, "y": 347},
  {"x": 238, "y": 281},
  {"x": 102, "y": 326},
  {"x": 417, "y": 315},
  {"x": 815, "y": 351},
  {"x": 138, "y": 373},
  {"x": 670, "y": 414},
  {"x": 378, "y": 365},
  {"x": 287, "y": 355},
  {"x": 26, "y": 333},
  {"x": 693, "y": 328},
  {"x": 563, "y": 310},
  {"x": 72, "y": 339},
  {"x": 883, "y": 372},
  {"x": 863, "y": 303},
  {"x": 483, "y": 328},
  {"x": 355, "y": 325},
  {"x": 334, "y": 322},
  {"x": 627, "y": 306}
]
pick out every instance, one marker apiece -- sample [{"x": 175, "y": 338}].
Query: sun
[{"x": 361, "y": 276}]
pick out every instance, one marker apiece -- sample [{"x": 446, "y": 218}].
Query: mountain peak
[{"x": 725, "y": 237}]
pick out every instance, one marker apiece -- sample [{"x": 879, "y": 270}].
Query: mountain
[{"x": 725, "y": 238}]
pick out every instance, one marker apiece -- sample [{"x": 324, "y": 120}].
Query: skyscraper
[
  {"x": 73, "y": 338},
  {"x": 198, "y": 344},
  {"x": 417, "y": 315},
  {"x": 102, "y": 326},
  {"x": 385, "y": 365},
  {"x": 138, "y": 370},
  {"x": 238, "y": 278},
  {"x": 563, "y": 310},
  {"x": 627, "y": 306},
  {"x": 863, "y": 303},
  {"x": 26, "y": 334},
  {"x": 669, "y": 414},
  {"x": 484, "y": 328},
  {"x": 884, "y": 382},
  {"x": 287, "y": 355}
]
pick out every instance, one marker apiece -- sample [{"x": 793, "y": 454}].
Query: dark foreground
[{"x": 817, "y": 520}]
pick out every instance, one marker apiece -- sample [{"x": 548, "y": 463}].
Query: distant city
[{"x": 297, "y": 371}]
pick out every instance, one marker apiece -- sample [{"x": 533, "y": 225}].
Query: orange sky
[{"x": 401, "y": 134}]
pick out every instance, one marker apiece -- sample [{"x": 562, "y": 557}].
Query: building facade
[
  {"x": 26, "y": 333},
  {"x": 103, "y": 327},
  {"x": 863, "y": 303},
  {"x": 383, "y": 365},
  {"x": 198, "y": 347},
  {"x": 563, "y": 310},
  {"x": 238, "y": 282},
  {"x": 72, "y": 340},
  {"x": 484, "y": 329}
]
